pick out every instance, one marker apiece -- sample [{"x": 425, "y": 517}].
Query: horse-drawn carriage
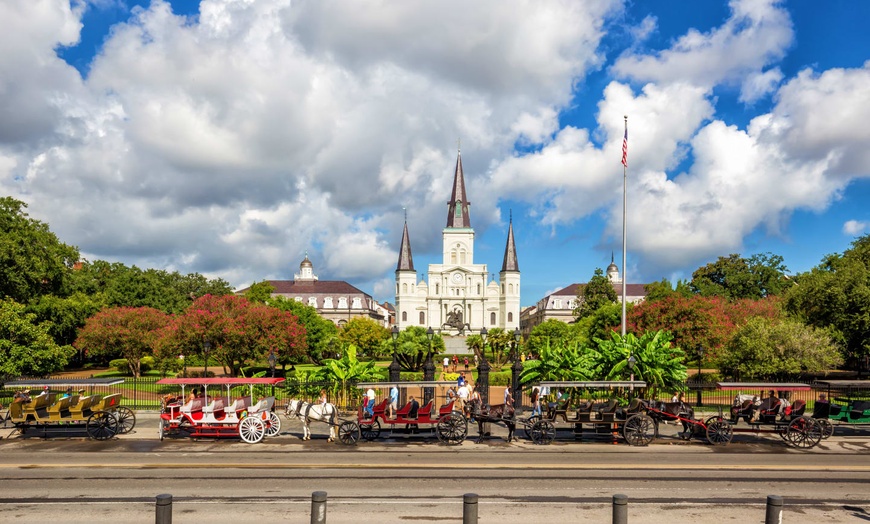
[
  {"x": 220, "y": 414},
  {"x": 446, "y": 420},
  {"x": 774, "y": 410},
  {"x": 846, "y": 402},
  {"x": 599, "y": 415},
  {"x": 78, "y": 410}
]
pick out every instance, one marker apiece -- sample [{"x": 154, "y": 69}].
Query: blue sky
[{"x": 230, "y": 138}]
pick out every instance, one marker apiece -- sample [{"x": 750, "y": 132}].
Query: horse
[
  {"x": 498, "y": 414},
  {"x": 306, "y": 411},
  {"x": 673, "y": 411}
]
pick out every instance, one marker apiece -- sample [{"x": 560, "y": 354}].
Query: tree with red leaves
[
  {"x": 236, "y": 331},
  {"x": 123, "y": 332}
]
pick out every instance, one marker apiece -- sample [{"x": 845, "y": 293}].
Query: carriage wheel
[
  {"x": 827, "y": 427},
  {"x": 348, "y": 432},
  {"x": 161, "y": 429},
  {"x": 273, "y": 424},
  {"x": 543, "y": 432},
  {"x": 804, "y": 432},
  {"x": 102, "y": 426},
  {"x": 719, "y": 431},
  {"x": 452, "y": 428},
  {"x": 639, "y": 430},
  {"x": 252, "y": 430},
  {"x": 126, "y": 419},
  {"x": 370, "y": 431},
  {"x": 529, "y": 423}
]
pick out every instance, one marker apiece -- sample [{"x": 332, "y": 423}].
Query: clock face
[{"x": 457, "y": 278}]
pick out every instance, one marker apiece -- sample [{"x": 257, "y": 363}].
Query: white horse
[{"x": 306, "y": 411}]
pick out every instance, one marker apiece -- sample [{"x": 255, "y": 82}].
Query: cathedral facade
[{"x": 459, "y": 296}]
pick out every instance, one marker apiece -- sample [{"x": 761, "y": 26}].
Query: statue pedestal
[{"x": 455, "y": 345}]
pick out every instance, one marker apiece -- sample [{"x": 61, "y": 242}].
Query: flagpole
[{"x": 624, "y": 182}]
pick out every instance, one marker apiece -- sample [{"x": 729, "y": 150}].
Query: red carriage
[{"x": 215, "y": 412}]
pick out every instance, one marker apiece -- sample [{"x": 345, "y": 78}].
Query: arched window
[
  {"x": 312, "y": 301},
  {"x": 357, "y": 303},
  {"x": 511, "y": 289},
  {"x": 510, "y": 317},
  {"x": 478, "y": 289},
  {"x": 404, "y": 288},
  {"x": 342, "y": 302},
  {"x": 404, "y": 316},
  {"x": 458, "y": 208},
  {"x": 492, "y": 319},
  {"x": 462, "y": 257},
  {"x": 327, "y": 303},
  {"x": 422, "y": 318},
  {"x": 453, "y": 257},
  {"x": 437, "y": 288}
]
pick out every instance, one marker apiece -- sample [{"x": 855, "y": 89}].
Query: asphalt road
[{"x": 404, "y": 479}]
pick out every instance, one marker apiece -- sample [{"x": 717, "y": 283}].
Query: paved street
[{"x": 400, "y": 479}]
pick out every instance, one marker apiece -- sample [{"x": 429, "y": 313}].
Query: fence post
[
  {"x": 774, "y": 510},
  {"x": 163, "y": 513},
  {"x": 469, "y": 508},
  {"x": 318, "y": 507},
  {"x": 620, "y": 509}
]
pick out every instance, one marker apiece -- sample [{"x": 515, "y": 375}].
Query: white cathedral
[{"x": 459, "y": 297}]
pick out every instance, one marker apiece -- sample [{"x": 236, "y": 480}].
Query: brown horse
[
  {"x": 681, "y": 411},
  {"x": 498, "y": 414}
]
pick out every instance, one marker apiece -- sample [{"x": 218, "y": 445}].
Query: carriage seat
[
  {"x": 192, "y": 406},
  {"x": 405, "y": 410},
  {"x": 859, "y": 409},
  {"x": 60, "y": 408},
  {"x": 263, "y": 405},
  {"x": 426, "y": 410},
  {"x": 798, "y": 408},
  {"x": 217, "y": 404},
  {"x": 585, "y": 407},
  {"x": 381, "y": 408},
  {"x": 446, "y": 408},
  {"x": 78, "y": 409},
  {"x": 109, "y": 401},
  {"x": 240, "y": 404},
  {"x": 634, "y": 406}
]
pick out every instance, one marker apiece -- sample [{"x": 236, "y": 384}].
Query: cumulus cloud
[
  {"x": 232, "y": 142},
  {"x": 855, "y": 227},
  {"x": 758, "y": 33}
]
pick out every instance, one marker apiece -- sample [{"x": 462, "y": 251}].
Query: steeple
[
  {"x": 457, "y": 208},
  {"x": 510, "y": 250},
  {"x": 406, "y": 261}
]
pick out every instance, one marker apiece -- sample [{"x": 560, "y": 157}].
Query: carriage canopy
[
  {"x": 749, "y": 386},
  {"x": 63, "y": 383},
  {"x": 594, "y": 384}
]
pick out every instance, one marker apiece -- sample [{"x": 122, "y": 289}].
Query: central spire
[{"x": 457, "y": 207}]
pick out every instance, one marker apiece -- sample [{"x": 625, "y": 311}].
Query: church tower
[
  {"x": 459, "y": 297},
  {"x": 509, "y": 280}
]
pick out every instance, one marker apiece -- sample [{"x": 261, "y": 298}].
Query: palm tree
[
  {"x": 657, "y": 363},
  {"x": 345, "y": 372}
]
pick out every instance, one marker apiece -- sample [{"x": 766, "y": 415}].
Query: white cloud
[
  {"x": 759, "y": 85},
  {"x": 232, "y": 142},
  {"x": 855, "y": 227},
  {"x": 758, "y": 33}
]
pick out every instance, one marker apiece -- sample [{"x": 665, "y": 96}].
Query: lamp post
[
  {"x": 516, "y": 370},
  {"x": 700, "y": 357},
  {"x": 394, "y": 366},
  {"x": 429, "y": 368},
  {"x": 483, "y": 371},
  {"x": 631, "y": 363},
  {"x": 206, "y": 347}
]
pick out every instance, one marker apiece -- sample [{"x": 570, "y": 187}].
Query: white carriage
[{"x": 219, "y": 410}]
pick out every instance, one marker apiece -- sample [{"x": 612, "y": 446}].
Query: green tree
[
  {"x": 733, "y": 277},
  {"x": 321, "y": 333},
  {"x": 123, "y": 332},
  {"x": 499, "y": 343},
  {"x": 553, "y": 332},
  {"x": 594, "y": 294},
  {"x": 664, "y": 289},
  {"x": 26, "y": 348},
  {"x": 365, "y": 334},
  {"x": 413, "y": 348},
  {"x": 345, "y": 372},
  {"x": 836, "y": 295},
  {"x": 260, "y": 292},
  {"x": 560, "y": 361},
  {"x": 657, "y": 362},
  {"x": 765, "y": 349},
  {"x": 65, "y": 315},
  {"x": 33, "y": 262}
]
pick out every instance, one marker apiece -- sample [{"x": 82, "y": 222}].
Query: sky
[{"x": 232, "y": 137}]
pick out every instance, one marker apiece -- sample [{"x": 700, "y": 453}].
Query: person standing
[
  {"x": 394, "y": 401},
  {"x": 446, "y": 363},
  {"x": 508, "y": 396},
  {"x": 465, "y": 361},
  {"x": 370, "y": 402},
  {"x": 535, "y": 397},
  {"x": 455, "y": 362}
]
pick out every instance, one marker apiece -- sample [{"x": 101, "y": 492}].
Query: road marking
[{"x": 463, "y": 466}]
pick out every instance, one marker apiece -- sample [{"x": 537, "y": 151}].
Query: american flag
[{"x": 625, "y": 148}]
